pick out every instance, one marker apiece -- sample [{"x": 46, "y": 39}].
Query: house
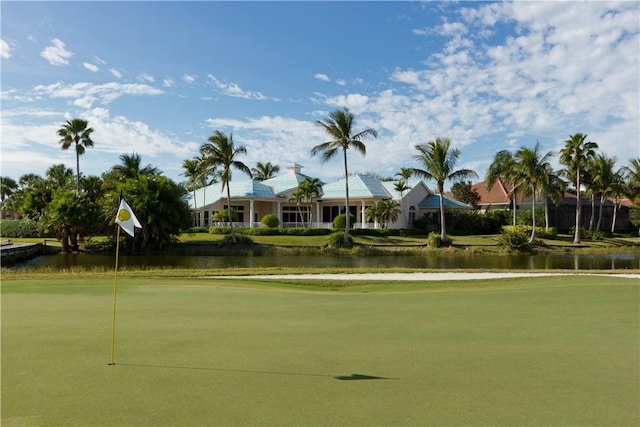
[
  {"x": 496, "y": 198},
  {"x": 562, "y": 216},
  {"x": 251, "y": 200}
]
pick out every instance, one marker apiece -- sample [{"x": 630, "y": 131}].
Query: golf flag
[{"x": 126, "y": 218}]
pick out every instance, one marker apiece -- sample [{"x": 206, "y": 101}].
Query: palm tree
[
  {"x": 7, "y": 187},
  {"x": 439, "y": 161},
  {"x": 574, "y": 155},
  {"x": 309, "y": 188},
  {"x": 553, "y": 186},
  {"x": 76, "y": 132},
  {"x": 193, "y": 174},
  {"x": 130, "y": 167},
  {"x": 220, "y": 151},
  {"x": 264, "y": 171},
  {"x": 602, "y": 174},
  {"x": 402, "y": 186},
  {"x": 617, "y": 192},
  {"x": 533, "y": 168},
  {"x": 503, "y": 167},
  {"x": 384, "y": 212},
  {"x": 60, "y": 177},
  {"x": 339, "y": 127}
]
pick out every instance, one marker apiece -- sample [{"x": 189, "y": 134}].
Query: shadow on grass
[{"x": 352, "y": 377}]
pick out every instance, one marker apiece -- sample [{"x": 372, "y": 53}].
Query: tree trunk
[
  {"x": 599, "y": 223},
  {"x": 347, "y": 223},
  {"x": 77, "y": 170},
  {"x": 576, "y": 237},
  {"x": 593, "y": 210},
  {"x": 615, "y": 214},
  {"x": 233, "y": 236},
  {"x": 443, "y": 228},
  {"x": 533, "y": 217},
  {"x": 546, "y": 213}
]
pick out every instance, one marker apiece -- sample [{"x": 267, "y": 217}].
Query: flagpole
[{"x": 115, "y": 291}]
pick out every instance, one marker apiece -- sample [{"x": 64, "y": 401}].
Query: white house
[{"x": 251, "y": 200}]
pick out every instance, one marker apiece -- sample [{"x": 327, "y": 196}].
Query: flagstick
[{"x": 115, "y": 290}]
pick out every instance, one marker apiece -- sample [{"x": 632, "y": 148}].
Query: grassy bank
[{"x": 196, "y": 351}]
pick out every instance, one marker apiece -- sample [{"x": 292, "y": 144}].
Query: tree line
[{"x": 73, "y": 207}]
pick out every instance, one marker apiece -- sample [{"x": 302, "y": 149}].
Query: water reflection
[{"x": 431, "y": 261}]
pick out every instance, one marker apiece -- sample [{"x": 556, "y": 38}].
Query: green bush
[
  {"x": 240, "y": 240},
  {"x": 336, "y": 240},
  {"x": 340, "y": 221},
  {"x": 21, "y": 228},
  {"x": 515, "y": 237},
  {"x": 524, "y": 217},
  {"x": 270, "y": 221},
  {"x": 434, "y": 241}
]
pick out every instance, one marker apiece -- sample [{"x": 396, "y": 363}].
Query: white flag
[{"x": 126, "y": 218}]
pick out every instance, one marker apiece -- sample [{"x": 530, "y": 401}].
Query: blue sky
[{"x": 158, "y": 78}]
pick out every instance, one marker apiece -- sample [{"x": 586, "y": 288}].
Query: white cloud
[
  {"x": 144, "y": 77},
  {"x": 91, "y": 67},
  {"x": 117, "y": 74},
  {"x": 5, "y": 50},
  {"x": 34, "y": 132},
  {"x": 168, "y": 83},
  {"x": 233, "y": 90},
  {"x": 341, "y": 82},
  {"x": 188, "y": 78},
  {"x": 352, "y": 101},
  {"x": 86, "y": 94},
  {"x": 56, "y": 54},
  {"x": 322, "y": 76}
]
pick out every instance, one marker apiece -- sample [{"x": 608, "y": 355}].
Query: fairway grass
[{"x": 537, "y": 351}]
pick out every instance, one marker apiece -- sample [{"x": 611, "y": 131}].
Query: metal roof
[
  {"x": 363, "y": 186},
  {"x": 432, "y": 201}
]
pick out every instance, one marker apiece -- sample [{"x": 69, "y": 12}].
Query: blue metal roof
[
  {"x": 238, "y": 189},
  {"x": 433, "y": 202},
  {"x": 363, "y": 186},
  {"x": 286, "y": 182}
]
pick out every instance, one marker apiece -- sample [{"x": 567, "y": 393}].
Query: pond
[{"x": 618, "y": 261}]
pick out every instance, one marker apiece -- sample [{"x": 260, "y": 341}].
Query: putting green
[{"x": 535, "y": 351}]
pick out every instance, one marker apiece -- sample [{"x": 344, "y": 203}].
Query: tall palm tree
[
  {"x": 603, "y": 177},
  {"x": 534, "y": 168},
  {"x": 192, "y": 172},
  {"x": 264, "y": 171},
  {"x": 402, "y": 186},
  {"x": 7, "y": 187},
  {"x": 574, "y": 155},
  {"x": 503, "y": 167},
  {"x": 339, "y": 127},
  {"x": 554, "y": 187},
  {"x": 76, "y": 132},
  {"x": 309, "y": 188},
  {"x": 439, "y": 161},
  {"x": 131, "y": 167},
  {"x": 60, "y": 177},
  {"x": 221, "y": 152},
  {"x": 617, "y": 192}
]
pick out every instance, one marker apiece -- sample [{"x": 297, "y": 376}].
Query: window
[{"x": 293, "y": 214}]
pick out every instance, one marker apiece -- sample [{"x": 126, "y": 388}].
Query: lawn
[{"x": 205, "y": 351}]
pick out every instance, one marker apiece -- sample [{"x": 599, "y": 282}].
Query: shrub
[
  {"x": 21, "y": 228},
  {"x": 340, "y": 221},
  {"x": 336, "y": 240},
  {"x": 515, "y": 237},
  {"x": 433, "y": 240},
  {"x": 270, "y": 221},
  {"x": 240, "y": 240}
]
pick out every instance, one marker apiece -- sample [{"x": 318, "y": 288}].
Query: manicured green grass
[{"x": 198, "y": 351}]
